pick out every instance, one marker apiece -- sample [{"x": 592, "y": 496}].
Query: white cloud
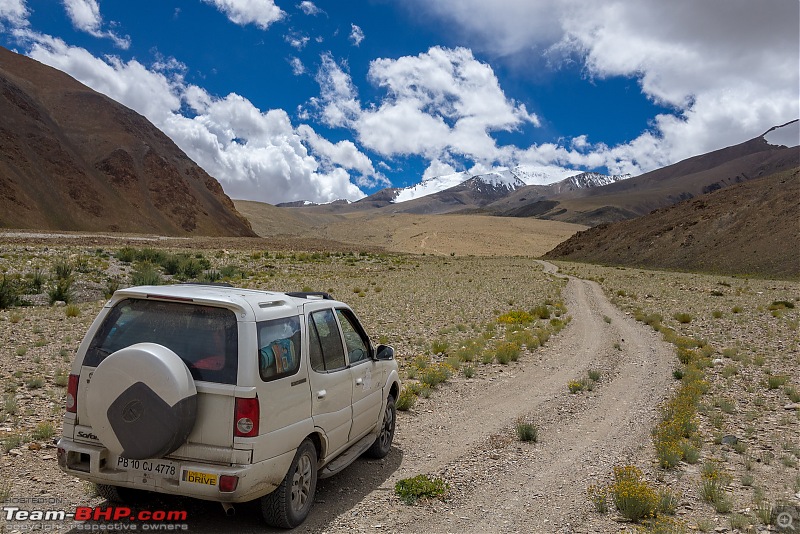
[
  {"x": 256, "y": 155},
  {"x": 296, "y": 40},
  {"x": 338, "y": 96},
  {"x": 298, "y": 69},
  {"x": 729, "y": 68},
  {"x": 85, "y": 16},
  {"x": 440, "y": 102},
  {"x": 262, "y": 13},
  {"x": 356, "y": 35},
  {"x": 15, "y": 12},
  {"x": 438, "y": 168},
  {"x": 309, "y": 8},
  {"x": 344, "y": 154}
]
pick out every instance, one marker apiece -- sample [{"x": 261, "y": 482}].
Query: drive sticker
[{"x": 199, "y": 478}]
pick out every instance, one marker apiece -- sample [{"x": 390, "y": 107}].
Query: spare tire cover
[{"x": 142, "y": 401}]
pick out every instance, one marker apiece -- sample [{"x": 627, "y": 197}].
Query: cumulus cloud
[
  {"x": 262, "y": 13},
  {"x": 296, "y": 40},
  {"x": 85, "y": 16},
  {"x": 255, "y": 154},
  {"x": 298, "y": 69},
  {"x": 438, "y": 103},
  {"x": 309, "y": 8},
  {"x": 14, "y": 12},
  {"x": 728, "y": 68},
  {"x": 356, "y": 35}
]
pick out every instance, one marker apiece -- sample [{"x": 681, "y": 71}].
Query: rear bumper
[{"x": 96, "y": 464}]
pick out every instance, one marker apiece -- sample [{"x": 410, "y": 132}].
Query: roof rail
[
  {"x": 310, "y": 295},
  {"x": 214, "y": 284}
]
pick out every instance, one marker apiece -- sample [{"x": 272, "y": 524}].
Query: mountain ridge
[{"x": 73, "y": 159}]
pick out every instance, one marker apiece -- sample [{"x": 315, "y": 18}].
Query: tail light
[
  {"x": 245, "y": 418},
  {"x": 228, "y": 483},
  {"x": 72, "y": 394}
]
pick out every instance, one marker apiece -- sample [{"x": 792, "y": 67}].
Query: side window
[
  {"x": 354, "y": 337},
  {"x": 278, "y": 348},
  {"x": 325, "y": 343}
]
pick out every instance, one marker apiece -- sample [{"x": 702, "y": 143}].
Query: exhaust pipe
[{"x": 230, "y": 511}]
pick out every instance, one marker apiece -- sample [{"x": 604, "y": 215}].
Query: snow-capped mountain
[
  {"x": 592, "y": 179},
  {"x": 430, "y": 186},
  {"x": 504, "y": 177}
]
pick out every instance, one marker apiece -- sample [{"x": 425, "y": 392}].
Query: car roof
[{"x": 255, "y": 304}]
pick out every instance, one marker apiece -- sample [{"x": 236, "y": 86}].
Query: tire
[
  {"x": 383, "y": 443},
  {"x": 142, "y": 401},
  {"x": 117, "y": 493},
  {"x": 289, "y": 504}
]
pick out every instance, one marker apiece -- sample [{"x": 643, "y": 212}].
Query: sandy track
[{"x": 505, "y": 486}]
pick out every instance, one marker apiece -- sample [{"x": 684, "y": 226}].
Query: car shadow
[{"x": 334, "y": 495}]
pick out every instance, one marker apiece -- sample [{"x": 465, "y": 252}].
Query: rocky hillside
[
  {"x": 660, "y": 188},
  {"x": 73, "y": 159},
  {"x": 750, "y": 228}
]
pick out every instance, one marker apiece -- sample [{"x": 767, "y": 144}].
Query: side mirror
[{"x": 384, "y": 352}]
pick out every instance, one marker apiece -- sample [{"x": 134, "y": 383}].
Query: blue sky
[{"x": 289, "y": 100}]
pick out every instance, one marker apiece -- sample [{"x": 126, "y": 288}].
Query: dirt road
[
  {"x": 502, "y": 485},
  {"x": 465, "y": 434}
]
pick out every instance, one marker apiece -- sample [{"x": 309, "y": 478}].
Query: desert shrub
[
  {"x": 712, "y": 487},
  {"x": 781, "y": 305},
  {"x": 632, "y": 496},
  {"x": 439, "y": 346},
  {"x": 61, "y": 291},
  {"x": 689, "y": 452},
  {"x": 61, "y": 270},
  {"x": 43, "y": 430},
  {"x": 598, "y": 496},
  {"x": 36, "y": 279},
  {"x": 35, "y": 383},
  {"x": 151, "y": 255},
  {"x": 526, "y": 431},
  {"x": 209, "y": 277},
  {"x": 406, "y": 399},
  {"x": 9, "y": 293},
  {"x": 191, "y": 268},
  {"x": 516, "y": 317},
  {"x": 434, "y": 375},
  {"x": 72, "y": 310},
  {"x": 507, "y": 352},
  {"x": 230, "y": 271},
  {"x": 667, "y": 502},
  {"x": 776, "y": 381},
  {"x": 410, "y": 490},
  {"x": 172, "y": 264},
  {"x": 716, "y": 314},
  {"x": 126, "y": 254},
  {"x": 543, "y": 336},
  {"x": 575, "y": 386},
  {"x": 792, "y": 393},
  {"x": 469, "y": 350},
  {"x": 468, "y": 371},
  {"x": 683, "y": 318},
  {"x": 737, "y": 309},
  {"x": 112, "y": 285},
  {"x": 541, "y": 311},
  {"x": 594, "y": 375},
  {"x": 145, "y": 274}
]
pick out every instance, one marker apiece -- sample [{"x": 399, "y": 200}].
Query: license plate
[
  {"x": 199, "y": 478},
  {"x": 164, "y": 468}
]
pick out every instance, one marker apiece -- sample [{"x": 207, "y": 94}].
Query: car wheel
[
  {"x": 142, "y": 401},
  {"x": 383, "y": 443},
  {"x": 289, "y": 504}
]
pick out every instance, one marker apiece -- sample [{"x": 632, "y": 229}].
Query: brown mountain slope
[
  {"x": 73, "y": 159},
  {"x": 750, "y": 228},
  {"x": 656, "y": 189}
]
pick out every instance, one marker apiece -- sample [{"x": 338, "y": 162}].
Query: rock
[
  {"x": 718, "y": 361},
  {"x": 730, "y": 439},
  {"x": 15, "y": 452},
  {"x": 792, "y": 406},
  {"x": 34, "y": 446}
]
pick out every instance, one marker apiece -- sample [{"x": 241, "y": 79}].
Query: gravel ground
[{"x": 464, "y": 432}]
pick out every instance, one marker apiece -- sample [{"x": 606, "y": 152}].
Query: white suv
[{"x": 226, "y": 394}]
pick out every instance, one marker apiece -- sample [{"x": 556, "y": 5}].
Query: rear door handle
[
  {"x": 359, "y": 381},
  {"x": 321, "y": 394}
]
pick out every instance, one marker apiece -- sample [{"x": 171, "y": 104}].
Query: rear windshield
[{"x": 204, "y": 337}]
